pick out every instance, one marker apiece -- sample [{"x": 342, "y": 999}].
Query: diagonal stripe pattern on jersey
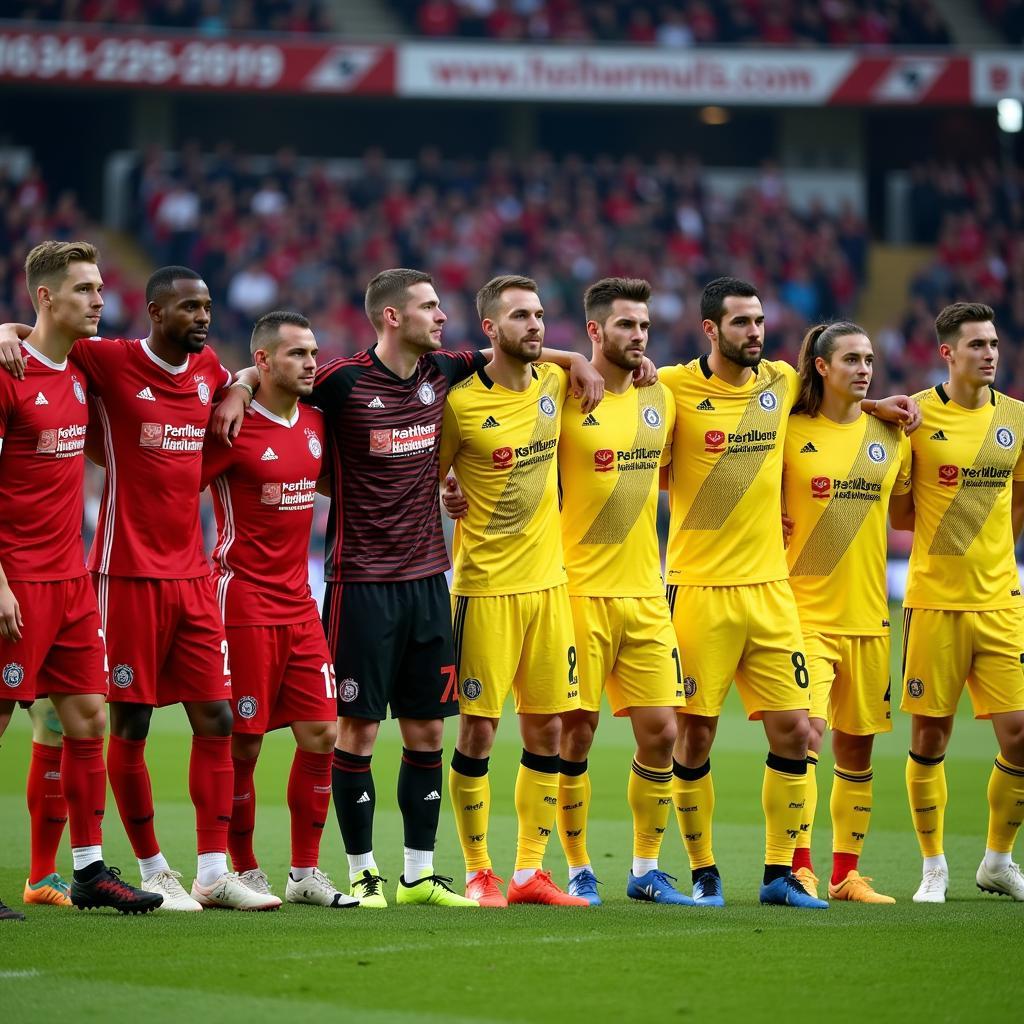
[
  {"x": 524, "y": 487},
  {"x": 973, "y": 503},
  {"x": 847, "y": 508},
  {"x": 726, "y": 484},
  {"x": 632, "y": 485}
]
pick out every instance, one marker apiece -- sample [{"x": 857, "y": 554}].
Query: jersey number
[
  {"x": 330, "y": 681},
  {"x": 572, "y": 665},
  {"x": 679, "y": 669},
  {"x": 803, "y": 680}
]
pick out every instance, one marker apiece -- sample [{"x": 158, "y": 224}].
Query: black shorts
[{"x": 392, "y": 645}]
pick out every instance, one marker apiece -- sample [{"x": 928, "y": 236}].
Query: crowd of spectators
[
  {"x": 210, "y": 17},
  {"x": 288, "y": 233},
  {"x": 693, "y": 23}
]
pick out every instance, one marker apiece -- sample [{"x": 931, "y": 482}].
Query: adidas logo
[
  {"x": 41, "y": 399},
  {"x": 147, "y": 395},
  {"x": 433, "y": 795},
  {"x": 269, "y": 456},
  {"x": 364, "y": 799},
  {"x": 591, "y": 421},
  {"x": 808, "y": 449},
  {"x": 938, "y": 436},
  {"x": 376, "y": 403},
  {"x": 489, "y": 422},
  {"x": 706, "y": 406}
]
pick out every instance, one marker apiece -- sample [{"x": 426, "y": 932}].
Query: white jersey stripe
[{"x": 222, "y": 494}]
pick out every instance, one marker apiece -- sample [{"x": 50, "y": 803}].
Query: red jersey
[
  {"x": 263, "y": 490},
  {"x": 43, "y": 421},
  {"x": 385, "y": 520},
  {"x": 151, "y": 418}
]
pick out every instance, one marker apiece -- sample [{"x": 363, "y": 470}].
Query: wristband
[{"x": 248, "y": 387}]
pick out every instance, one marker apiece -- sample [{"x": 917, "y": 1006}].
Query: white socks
[
  {"x": 996, "y": 861},
  {"x": 415, "y": 862},
  {"x": 83, "y": 856},
  {"x": 210, "y": 867},
  {"x": 360, "y": 862},
  {"x": 641, "y": 865},
  {"x": 573, "y": 872},
  {"x": 298, "y": 874},
  {"x": 930, "y": 863},
  {"x": 149, "y": 866},
  {"x": 524, "y": 875}
]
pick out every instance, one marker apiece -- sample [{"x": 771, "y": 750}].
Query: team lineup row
[{"x": 555, "y": 604}]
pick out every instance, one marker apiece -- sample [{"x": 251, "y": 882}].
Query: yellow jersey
[
  {"x": 608, "y": 462},
  {"x": 965, "y": 462},
  {"x": 725, "y": 480},
  {"x": 502, "y": 446},
  {"x": 836, "y": 482}
]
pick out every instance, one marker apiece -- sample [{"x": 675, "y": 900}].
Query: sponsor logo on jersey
[
  {"x": 502, "y": 458},
  {"x": 122, "y": 676},
  {"x": 949, "y": 476},
  {"x": 269, "y": 455},
  {"x": 398, "y": 441},
  {"x": 76, "y": 386},
  {"x": 651, "y": 416},
  {"x": 821, "y": 486},
  {"x": 146, "y": 394},
  {"x": 705, "y": 406},
  {"x": 41, "y": 399},
  {"x": 547, "y": 406},
  {"x": 808, "y": 449},
  {"x": 915, "y": 687},
  {"x": 295, "y": 495},
  {"x": 170, "y": 438},
  {"x": 938, "y": 436},
  {"x": 714, "y": 441},
  {"x": 61, "y": 441},
  {"x": 376, "y": 403},
  {"x": 348, "y": 690},
  {"x": 489, "y": 423},
  {"x": 247, "y": 707},
  {"x": 604, "y": 460},
  {"x": 1005, "y": 437},
  {"x": 768, "y": 401},
  {"x": 471, "y": 688},
  {"x": 591, "y": 421},
  {"x": 876, "y": 452},
  {"x": 13, "y": 674},
  {"x": 689, "y": 686},
  {"x": 426, "y": 394},
  {"x": 316, "y": 449}
]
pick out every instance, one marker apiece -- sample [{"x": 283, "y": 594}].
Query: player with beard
[
  {"x": 165, "y": 640},
  {"x": 728, "y": 581},
  {"x": 51, "y": 641}
]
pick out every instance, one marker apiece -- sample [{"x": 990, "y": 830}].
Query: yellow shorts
[
  {"x": 850, "y": 682},
  {"x": 943, "y": 650},
  {"x": 750, "y": 633},
  {"x": 522, "y": 642},
  {"x": 627, "y": 646}
]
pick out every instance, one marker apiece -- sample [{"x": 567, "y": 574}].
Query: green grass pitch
[{"x": 623, "y": 961}]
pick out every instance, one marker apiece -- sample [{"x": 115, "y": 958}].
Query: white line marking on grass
[{"x": 31, "y": 973}]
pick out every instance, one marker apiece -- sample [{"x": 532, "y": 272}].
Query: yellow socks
[
  {"x": 693, "y": 794},
  {"x": 536, "y": 803},
  {"x": 850, "y": 806},
  {"x": 470, "y": 789},
  {"x": 573, "y": 808},
  {"x": 782, "y": 798},
  {"x": 926, "y": 789},
  {"x": 802, "y": 854},
  {"x": 1005, "y": 805},
  {"x": 650, "y": 796}
]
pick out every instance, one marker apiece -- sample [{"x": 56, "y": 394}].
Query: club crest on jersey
[
  {"x": 270, "y": 494},
  {"x": 78, "y": 389},
  {"x": 123, "y": 676},
  {"x": 651, "y": 416},
  {"x": 348, "y": 690},
  {"x": 604, "y": 460},
  {"x": 714, "y": 441},
  {"x": 47, "y": 441},
  {"x": 247, "y": 707},
  {"x": 768, "y": 401},
  {"x": 502, "y": 458},
  {"x": 426, "y": 393},
  {"x": 915, "y": 687},
  {"x": 949, "y": 476},
  {"x": 203, "y": 390},
  {"x": 689, "y": 686},
  {"x": 14, "y": 674},
  {"x": 151, "y": 435},
  {"x": 1004, "y": 437},
  {"x": 876, "y": 452},
  {"x": 821, "y": 486},
  {"x": 315, "y": 448},
  {"x": 547, "y": 406},
  {"x": 472, "y": 688}
]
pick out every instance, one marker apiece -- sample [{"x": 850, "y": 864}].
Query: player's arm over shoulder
[
  {"x": 901, "y": 501},
  {"x": 451, "y": 429},
  {"x": 457, "y": 366}
]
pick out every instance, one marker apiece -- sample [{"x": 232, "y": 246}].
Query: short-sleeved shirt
[
  {"x": 725, "y": 480},
  {"x": 385, "y": 519},
  {"x": 43, "y": 422},
  {"x": 151, "y": 418},
  {"x": 965, "y": 464},
  {"x": 837, "y": 481},
  {"x": 502, "y": 446},
  {"x": 263, "y": 488},
  {"x": 608, "y": 463}
]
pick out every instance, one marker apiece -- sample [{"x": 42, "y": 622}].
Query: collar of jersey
[
  {"x": 169, "y": 367},
  {"x": 709, "y": 374},
  {"x": 940, "y": 390},
  {"x": 488, "y": 383},
  {"x": 394, "y": 376},
  {"x": 273, "y": 417},
  {"x": 36, "y": 354}
]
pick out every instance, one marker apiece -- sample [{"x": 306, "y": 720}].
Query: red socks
[
  {"x": 133, "y": 793},
  {"x": 842, "y": 865},
  {"x": 47, "y": 809},
  {"x": 243, "y": 817},
  {"x": 210, "y": 782},
  {"x": 802, "y": 858},
  {"x": 309, "y": 797},
  {"x": 84, "y": 779}
]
